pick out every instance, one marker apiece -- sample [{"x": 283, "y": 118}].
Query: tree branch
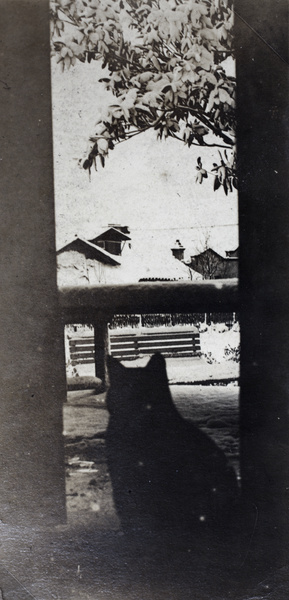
[
  {"x": 206, "y": 122},
  {"x": 205, "y": 145}
]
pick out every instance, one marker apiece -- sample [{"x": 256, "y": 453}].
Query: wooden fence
[
  {"x": 132, "y": 345},
  {"x": 167, "y": 342},
  {"x": 81, "y": 351}
]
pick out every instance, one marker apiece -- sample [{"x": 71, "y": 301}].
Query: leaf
[
  {"x": 200, "y": 130},
  {"x": 145, "y": 77},
  {"x": 156, "y": 63},
  {"x": 222, "y": 174},
  {"x": 225, "y": 97},
  {"x": 94, "y": 151},
  {"x": 213, "y": 99},
  {"x": 167, "y": 88},
  {"x": 190, "y": 140},
  {"x": 87, "y": 164},
  {"x": 144, "y": 109},
  {"x": 217, "y": 183},
  {"x": 199, "y": 138},
  {"x": 210, "y": 77},
  {"x": 102, "y": 146}
]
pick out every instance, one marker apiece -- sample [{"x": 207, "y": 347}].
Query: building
[
  {"x": 110, "y": 258},
  {"x": 212, "y": 265},
  {"x": 113, "y": 240}
]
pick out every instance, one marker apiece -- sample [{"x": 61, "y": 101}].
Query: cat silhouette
[{"x": 165, "y": 472}]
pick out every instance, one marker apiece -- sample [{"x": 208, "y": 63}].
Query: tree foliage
[{"x": 164, "y": 64}]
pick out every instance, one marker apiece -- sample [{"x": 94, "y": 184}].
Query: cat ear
[
  {"x": 115, "y": 368},
  {"x": 157, "y": 359},
  {"x": 157, "y": 364}
]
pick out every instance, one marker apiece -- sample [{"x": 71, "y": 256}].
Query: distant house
[
  {"x": 89, "y": 250},
  {"x": 211, "y": 265},
  {"x": 113, "y": 239},
  {"x": 109, "y": 258},
  {"x": 82, "y": 263}
]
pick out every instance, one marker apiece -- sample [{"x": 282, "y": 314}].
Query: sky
[{"x": 146, "y": 184}]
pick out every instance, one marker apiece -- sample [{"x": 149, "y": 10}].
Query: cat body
[{"x": 165, "y": 472}]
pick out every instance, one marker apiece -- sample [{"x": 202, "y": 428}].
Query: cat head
[{"x": 137, "y": 389}]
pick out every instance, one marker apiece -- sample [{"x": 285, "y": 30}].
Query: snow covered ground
[
  {"x": 213, "y": 408},
  {"x": 218, "y": 349}
]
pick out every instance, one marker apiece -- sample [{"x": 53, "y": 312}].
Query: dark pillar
[
  {"x": 101, "y": 346},
  {"x": 263, "y": 136},
  {"x": 32, "y": 365}
]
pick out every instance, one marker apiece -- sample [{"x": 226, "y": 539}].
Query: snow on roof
[
  {"x": 98, "y": 253},
  {"x": 228, "y": 254},
  {"x": 157, "y": 267},
  {"x": 111, "y": 234},
  {"x": 148, "y": 261},
  {"x": 169, "y": 270},
  {"x": 207, "y": 251}
]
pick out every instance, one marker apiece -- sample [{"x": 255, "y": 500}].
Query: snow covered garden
[{"x": 204, "y": 389}]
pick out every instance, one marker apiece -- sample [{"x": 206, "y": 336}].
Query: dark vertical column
[
  {"x": 32, "y": 363},
  {"x": 263, "y": 136},
  {"x": 101, "y": 346}
]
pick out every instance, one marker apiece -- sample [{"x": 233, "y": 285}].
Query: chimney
[{"x": 178, "y": 250}]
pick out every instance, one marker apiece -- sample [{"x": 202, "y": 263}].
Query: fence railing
[
  {"x": 97, "y": 305},
  {"x": 80, "y": 304},
  {"x": 169, "y": 342},
  {"x": 185, "y": 343}
]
